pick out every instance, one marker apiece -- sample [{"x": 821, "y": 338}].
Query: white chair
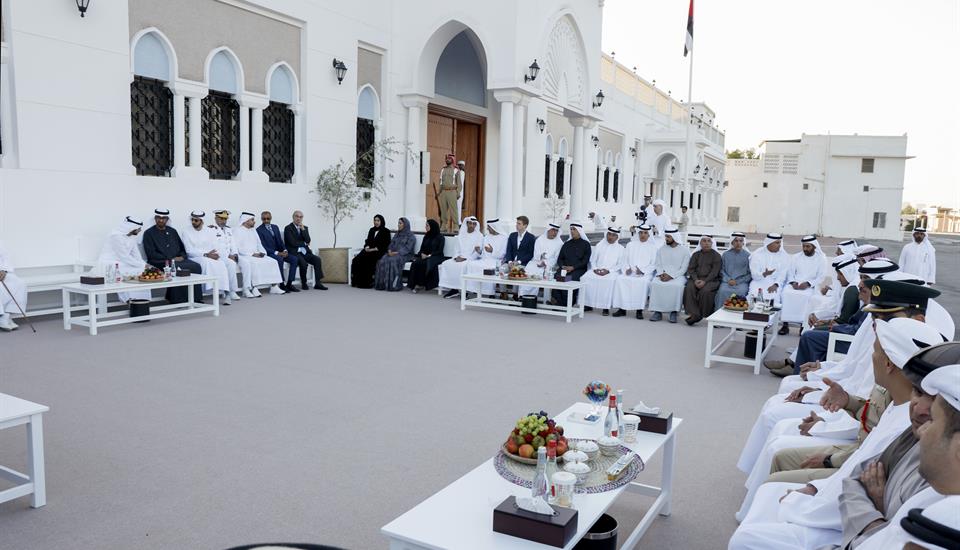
[{"x": 835, "y": 337}]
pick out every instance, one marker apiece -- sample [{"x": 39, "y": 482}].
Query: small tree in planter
[
  {"x": 556, "y": 208},
  {"x": 344, "y": 188}
]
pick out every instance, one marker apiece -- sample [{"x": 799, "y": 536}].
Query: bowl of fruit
[
  {"x": 530, "y": 433},
  {"x": 517, "y": 272},
  {"x": 736, "y": 303},
  {"x": 150, "y": 275}
]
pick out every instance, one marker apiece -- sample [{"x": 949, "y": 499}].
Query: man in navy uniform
[{"x": 272, "y": 241}]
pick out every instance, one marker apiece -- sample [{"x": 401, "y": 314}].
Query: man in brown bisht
[
  {"x": 450, "y": 189},
  {"x": 703, "y": 280}
]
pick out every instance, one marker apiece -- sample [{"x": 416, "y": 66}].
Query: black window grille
[
  {"x": 221, "y": 135},
  {"x": 606, "y": 184},
  {"x": 278, "y": 142},
  {"x": 596, "y": 195},
  {"x": 186, "y": 130},
  {"x": 699, "y": 201},
  {"x": 671, "y": 198},
  {"x": 546, "y": 176},
  {"x": 561, "y": 166},
  {"x": 616, "y": 185},
  {"x": 682, "y": 197},
  {"x": 151, "y": 113},
  {"x": 366, "y": 134}
]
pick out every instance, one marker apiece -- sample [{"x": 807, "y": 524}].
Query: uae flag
[{"x": 688, "y": 45}]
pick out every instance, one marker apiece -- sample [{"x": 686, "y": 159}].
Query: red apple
[{"x": 512, "y": 446}]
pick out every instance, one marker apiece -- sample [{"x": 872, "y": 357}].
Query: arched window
[
  {"x": 151, "y": 107},
  {"x": 220, "y": 122},
  {"x": 548, "y": 161},
  {"x": 606, "y": 175},
  {"x": 279, "y": 141},
  {"x": 368, "y": 109},
  {"x": 616, "y": 179},
  {"x": 561, "y": 167}
]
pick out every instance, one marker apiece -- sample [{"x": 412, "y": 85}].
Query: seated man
[
  {"x": 734, "y": 272},
  {"x": 13, "y": 292},
  {"x": 929, "y": 519},
  {"x": 809, "y": 516},
  {"x": 491, "y": 256},
  {"x": 606, "y": 262},
  {"x": 469, "y": 247},
  {"x": 703, "y": 279},
  {"x": 666, "y": 289},
  {"x": 163, "y": 247},
  {"x": 807, "y": 269},
  {"x": 632, "y": 287},
  {"x": 296, "y": 237},
  {"x": 225, "y": 243},
  {"x": 255, "y": 267},
  {"x": 120, "y": 251},
  {"x": 573, "y": 261},
  {"x": 272, "y": 241},
  {"x": 837, "y": 300},
  {"x": 201, "y": 245},
  {"x": 545, "y": 252},
  {"x": 768, "y": 268},
  {"x": 520, "y": 243}
]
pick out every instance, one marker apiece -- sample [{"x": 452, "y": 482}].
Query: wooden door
[
  {"x": 440, "y": 143},
  {"x": 462, "y": 134},
  {"x": 468, "y": 149}
]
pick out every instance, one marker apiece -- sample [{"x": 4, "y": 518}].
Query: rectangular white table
[
  {"x": 734, "y": 321},
  {"x": 16, "y": 412},
  {"x": 98, "y": 316},
  {"x": 568, "y": 311},
  {"x": 460, "y": 516}
]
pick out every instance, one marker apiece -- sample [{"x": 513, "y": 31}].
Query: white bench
[{"x": 48, "y": 279}]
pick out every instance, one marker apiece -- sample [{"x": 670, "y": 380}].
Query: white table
[
  {"x": 98, "y": 316},
  {"x": 568, "y": 311},
  {"x": 734, "y": 321},
  {"x": 461, "y": 515},
  {"x": 15, "y": 412}
]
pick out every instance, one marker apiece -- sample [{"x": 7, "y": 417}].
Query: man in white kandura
[
  {"x": 606, "y": 262},
  {"x": 255, "y": 267},
  {"x": 919, "y": 257},
  {"x": 769, "y": 267},
  {"x": 545, "y": 252},
  {"x": 17, "y": 292},
  {"x": 807, "y": 269},
  {"x": 632, "y": 287},
  {"x": 666, "y": 289},
  {"x": 120, "y": 250},
  {"x": 469, "y": 247},
  {"x": 201, "y": 244},
  {"x": 658, "y": 220},
  {"x": 493, "y": 250},
  {"x": 229, "y": 257}
]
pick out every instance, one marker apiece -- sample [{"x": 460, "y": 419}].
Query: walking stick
[{"x": 5, "y": 287}]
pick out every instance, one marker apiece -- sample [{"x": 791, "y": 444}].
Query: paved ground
[{"x": 322, "y": 416}]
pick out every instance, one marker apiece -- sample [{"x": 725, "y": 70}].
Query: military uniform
[{"x": 450, "y": 189}]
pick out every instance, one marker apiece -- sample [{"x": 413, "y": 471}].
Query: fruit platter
[
  {"x": 532, "y": 432},
  {"x": 517, "y": 272},
  {"x": 151, "y": 275},
  {"x": 736, "y": 303}
]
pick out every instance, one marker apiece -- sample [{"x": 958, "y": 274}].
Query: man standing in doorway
[{"x": 450, "y": 188}]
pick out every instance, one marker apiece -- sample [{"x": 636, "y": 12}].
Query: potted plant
[{"x": 344, "y": 188}]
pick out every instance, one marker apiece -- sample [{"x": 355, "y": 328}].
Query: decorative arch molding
[
  {"x": 209, "y": 64},
  {"x": 564, "y": 68},
  {"x": 425, "y": 73},
  {"x": 662, "y": 164},
  {"x": 548, "y": 143},
  {"x": 154, "y": 33},
  {"x": 368, "y": 103},
  {"x": 562, "y": 147},
  {"x": 274, "y": 81}
]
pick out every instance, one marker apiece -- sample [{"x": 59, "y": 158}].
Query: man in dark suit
[
  {"x": 162, "y": 245},
  {"x": 520, "y": 243},
  {"x": 272, "y": 241},
  {"x": 297, "y": 238}
]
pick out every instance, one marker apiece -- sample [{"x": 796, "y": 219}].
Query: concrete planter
[{"x": 336, "y": 264}]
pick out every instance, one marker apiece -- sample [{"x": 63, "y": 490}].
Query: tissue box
[
  {"x": 183, "y": 273},
  {"x": 91, "y": 280},
  {"x": 552, "y": 530},
  {"x": 655, "y": 423},
  {"x": 755, "y": 316}
]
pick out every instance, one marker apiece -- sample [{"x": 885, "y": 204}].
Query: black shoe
[
  {"x": 304, "y": 287},
  {"x": 692, "y": 321},
  {"x": 451, "y": 293},
  {"x": 319, "y": 286},
  {"x": 640, "y": 314},
  {"x": 606, "y": 313},
  {"x": 291, "y": 288},
  {"x": 587, "y": 308},
  {"x": 784, "y": 329},
  {"x": 620, "y": 313}
]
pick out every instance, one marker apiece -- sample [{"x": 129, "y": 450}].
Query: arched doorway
[{"x": 666, "y": 169}]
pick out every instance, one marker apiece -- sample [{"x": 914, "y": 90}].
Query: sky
[{"x": 774, "y": 69}]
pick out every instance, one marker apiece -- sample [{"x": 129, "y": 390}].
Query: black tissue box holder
[{"x": 552, "y": 530}]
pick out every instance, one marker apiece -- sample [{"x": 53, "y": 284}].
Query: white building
[
  {"x": 236, "y": 104},
  {"x": 837, "y": 186}
]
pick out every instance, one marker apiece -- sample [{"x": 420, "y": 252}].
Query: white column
[
  {"x": 568, "y": 163},
  {"x": 505, "y": 183},
  {"x": 413, "y": 198},
  {"x": 256, "y": 129},
  {"x": 299, "y": 140},
  {"x": 519, "y": 129},
  {"x": 179, "y": 134},
  {"x": 251, "y": 113},
  {"x": 244, "y": 142},
  {"x": 576, "y": 175}
]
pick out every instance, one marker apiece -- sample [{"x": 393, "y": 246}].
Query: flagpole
[{"x": 686, "y": 154}]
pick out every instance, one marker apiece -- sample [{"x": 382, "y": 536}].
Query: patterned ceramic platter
[{"x": 521, "y": 473}]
